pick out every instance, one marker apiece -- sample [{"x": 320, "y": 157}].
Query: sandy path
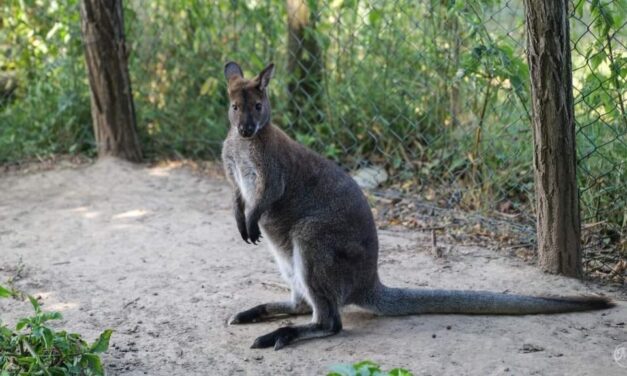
[{"x": 153, "y": 253}]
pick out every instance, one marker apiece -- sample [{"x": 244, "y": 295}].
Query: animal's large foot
[{"x": 279, "y": 339}]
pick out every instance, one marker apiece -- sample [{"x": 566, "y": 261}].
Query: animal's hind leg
[
  {"x": 269, "y": 311},
  {"x": 327, "y": 322},
  {"x": 320, "y": 292}
]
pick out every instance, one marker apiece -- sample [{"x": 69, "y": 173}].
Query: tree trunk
[
  {"x": 304, "y": 65},
  {"x": 557, "y": 197},
  {"x": 112, "y": 107}
]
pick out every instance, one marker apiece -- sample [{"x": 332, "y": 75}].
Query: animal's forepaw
[
  {"x": 279, "y": 339},
  {"x": 242, "y": 231},
  {"x": 254, "y": 234},
  {"x": 244, "y": 236}
]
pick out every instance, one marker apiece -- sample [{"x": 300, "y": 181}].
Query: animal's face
[{"x": 249, "y": 109}]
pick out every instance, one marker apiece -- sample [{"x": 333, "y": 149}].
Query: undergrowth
[
  {"x": 35, "y": 348},
  {"x": 365, "y": 368}
]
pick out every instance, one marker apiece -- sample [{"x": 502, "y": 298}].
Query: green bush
[
  {"x": 49, "y": 112},
  {"x": 34, "y": 348},
  {"x": 365, "y": 368}
]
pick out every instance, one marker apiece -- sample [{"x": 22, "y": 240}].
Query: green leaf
[
  {"x": 5, "y": 293},
  {"x": 93, "y": 363},
  {"x": 342, "y": 370},
  {"x": 597, "y": 59},
  {"x": 367, "y": 363},
  {"x": 35, "y": 304},
  {"x": 367, "y": 368},
  {"x": 58, "y": 371},
  {"x": 400, "y": 372},
  {"x": 48, "y": 336},
  {"x": 46, "y": 316},
  {"x": 102, "y": 344},
  {"x": 349, "y": 4},
  {"x": 26, "y": 360},
  {"x": 579, "y": 8},
  {"x": 22, "y": 323},
  {"x": 375, "y": 17},
  {"x": 5, "y": 332},
  {"x": 455, "y": 6}
]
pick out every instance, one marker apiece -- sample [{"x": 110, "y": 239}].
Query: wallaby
[{"x": 322, "y": 233}]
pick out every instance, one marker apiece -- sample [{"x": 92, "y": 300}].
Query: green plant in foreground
[
  {"x": 33, "y": 348},
  {"x": 365, "y": 368}
]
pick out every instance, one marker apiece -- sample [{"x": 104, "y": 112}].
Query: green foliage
[
  {"x": 5, "y": 293},
  {"x": 436, "y": 91},
  {"x": 600, "y": 81},
  {"x": 40, "y": 48},
  {"x": 365, "y": 368},
  {"x": 34, "y": 348}
]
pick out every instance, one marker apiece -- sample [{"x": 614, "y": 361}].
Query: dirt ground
[{"x": 153, "y": 253}]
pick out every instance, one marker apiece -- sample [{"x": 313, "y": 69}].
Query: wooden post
[
  {"x": 557, "y": 197},
  {"x": 112, "y": 107}
]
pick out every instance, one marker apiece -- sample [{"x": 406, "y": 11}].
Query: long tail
[{"x": 391, "y": 301}]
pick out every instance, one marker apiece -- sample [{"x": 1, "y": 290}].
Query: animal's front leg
[
  {"x": 252, "y": 224},
  {"x": 240, "y": 218},
  {"x": 267, "y": 191}
]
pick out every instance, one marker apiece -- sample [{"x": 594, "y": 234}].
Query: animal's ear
[
  {"x": 231, "y": 70},
  {"x": 265, "y": 76}
]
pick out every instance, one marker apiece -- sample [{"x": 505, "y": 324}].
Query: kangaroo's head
[{"x": 249, "y": 111}]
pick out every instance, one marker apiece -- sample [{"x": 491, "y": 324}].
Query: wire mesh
[
  {"x": 599, "y": 32},
  {"x": 436, "y": 93}
]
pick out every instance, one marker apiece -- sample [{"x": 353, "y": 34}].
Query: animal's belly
[
  {"x": 291, "y": 267},
  {"x": 282, "y": 257}
]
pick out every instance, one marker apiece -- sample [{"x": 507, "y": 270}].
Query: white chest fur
[{"x": 245, "y": 174}]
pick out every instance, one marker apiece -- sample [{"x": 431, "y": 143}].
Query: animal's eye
[
  {"x": 234, "y": 107},
  {"x": 258, "y": 106}
]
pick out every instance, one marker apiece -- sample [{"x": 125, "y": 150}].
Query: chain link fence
[
  {"x": 599, "y": 54},
  {"x": 434, "y": 93}
]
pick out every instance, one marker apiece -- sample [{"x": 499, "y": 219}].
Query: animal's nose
[{"x": 247, "y": 130}]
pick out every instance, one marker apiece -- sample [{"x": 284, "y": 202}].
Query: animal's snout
[{"x": 247, "y": 130}]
